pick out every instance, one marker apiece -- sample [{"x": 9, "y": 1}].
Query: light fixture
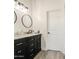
[{"x": 20, "y": 6}]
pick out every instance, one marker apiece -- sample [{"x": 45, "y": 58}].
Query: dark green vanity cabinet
[{"x": 27, "y": 47}]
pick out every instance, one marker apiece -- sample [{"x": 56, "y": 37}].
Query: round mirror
[
  {"x": 15, "y": 17},
  {"x": 27, "y": 21}
]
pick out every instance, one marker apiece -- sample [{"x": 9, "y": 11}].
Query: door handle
[{"x": 48, "y": 32}]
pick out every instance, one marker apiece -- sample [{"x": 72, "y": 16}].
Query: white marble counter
[{"x": 22, "y": 36}]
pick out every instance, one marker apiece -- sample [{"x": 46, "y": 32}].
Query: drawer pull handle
[
  {"x": 19, "y": 56},
  {"x": 31, "y": 44},
  {"x": 19, "y": 44},
  {"x": 31, "y": 39},
  {"x": 19, "y": 51}
]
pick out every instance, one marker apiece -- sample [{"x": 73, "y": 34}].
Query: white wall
[
  {"x": 18, "y": 27},
  {"x": 39, "y": 13}
]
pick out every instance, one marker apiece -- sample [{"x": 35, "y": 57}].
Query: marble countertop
[{"x": 22, "y": 36}]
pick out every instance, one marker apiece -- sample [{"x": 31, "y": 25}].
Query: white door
[{"x": 56, "y": 33}]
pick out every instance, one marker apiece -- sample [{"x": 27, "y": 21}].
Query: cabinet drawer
[
  {"x": 19, "y": 40},
  {"x": 19, "y": 45},
  {"x": 19, "y": 48},
  {"x": 30, "y": 44},
  {"x": 19, "y": 57},
  {"x": 29, "y": 38},
  {"x": 19, "y": 52}
]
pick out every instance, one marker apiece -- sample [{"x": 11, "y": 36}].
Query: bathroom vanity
[{"x": 27, "y": 47}]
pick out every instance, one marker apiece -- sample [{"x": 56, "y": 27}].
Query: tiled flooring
[{"x": 50, "y": 55}]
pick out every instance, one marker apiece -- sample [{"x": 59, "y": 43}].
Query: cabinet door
[
  {"x": 30, "y": 48},
  {"x": 37, "y": 43}
]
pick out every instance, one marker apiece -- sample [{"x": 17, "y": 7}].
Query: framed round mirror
[
  {"x": 27, "y": 21},
  {"x": 15, "y": 17}
]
